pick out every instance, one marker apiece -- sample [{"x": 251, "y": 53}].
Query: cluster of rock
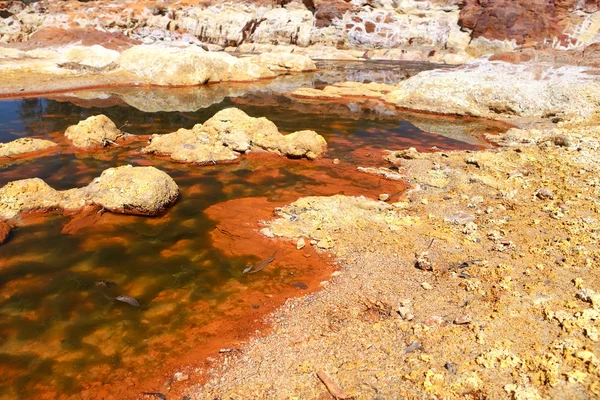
[
  {"x": 146, "y": 190},
  {"x": 126, "y": 189},
  {"x": 440, "y": 30},
  {"x": 231, "y": 132}
]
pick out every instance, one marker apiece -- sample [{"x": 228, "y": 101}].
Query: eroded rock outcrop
[
  {"x": 163, "y": 64},
  {"x": 526, "y": 20},
  {"x": 126, "y": 189},
  {"x": 451, "y": 31},
  {"x": 23, "y": 146},
  {"x": 501, "y": 90},
  {"x": 190, "y": 65},
  {"x": 231, "y": 132},
  {"x": 95, "y": 131}
]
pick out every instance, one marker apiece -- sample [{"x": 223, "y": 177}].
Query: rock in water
[
  {"x": 133, "y": 190},
  {"x": 24, "y": 146},
  {"x": 162, "y": 64},
  {"x": 94, "y": 131},
  {"x": 27, "y": 195},
  {"x": 126, "y": 189},
  {"x": 230, "y": 132}
]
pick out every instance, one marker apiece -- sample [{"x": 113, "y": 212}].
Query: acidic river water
[{"x": 62, "y": 334}]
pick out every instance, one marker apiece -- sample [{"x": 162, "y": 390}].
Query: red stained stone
[
  {"x": 4, "y": 231},
  {"x": 522, "y": 20}
]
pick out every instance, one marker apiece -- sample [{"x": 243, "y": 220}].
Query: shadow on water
[{"x": 61, "y": 328}]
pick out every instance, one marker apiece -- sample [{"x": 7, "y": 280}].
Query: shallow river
[{"x": 61, "y": 332}]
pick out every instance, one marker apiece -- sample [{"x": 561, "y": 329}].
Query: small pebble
[
  {"x": 180, "y": 377},
  {"x": 267, "y": 232},
  {"x": 544, "y": 193},
  {"x": 405, "y": 313},
  {"x": 300, "y": 244},
  {"x": 384, "y": 197},
  {"x": 426, "y": 286},
  {"x": 561, "y": 141},
  {"x": 450, "y": 367},
  {"x": 336, "y": 161},
  {"x": 462, "y": 320}
]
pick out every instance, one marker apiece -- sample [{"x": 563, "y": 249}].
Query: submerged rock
[
  {"x": 24, "y": 146},
  {"x": 126, "y": 189},
  {"x": 346, "y": 89},
  {"x": 94, "y": 131},
  {"x": 230, "y": 132}
]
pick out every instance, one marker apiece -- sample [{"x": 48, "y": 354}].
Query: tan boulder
[
  {"x": 24, "y": 146},
  {"x": 263, "y": 134},
  {"x": 27, "y": 195},
  {"x": 133, "y": 190},
  {"x": 94, "y": 131},
  {"x": 232, "y": 122},
  {"x": 126, "y": 189},
  {"x": 305, "y": 143},
  {"x": 92, "y": 56},
  {"x": 165, "y": 65},
  {"x": 191, "y": 146}
]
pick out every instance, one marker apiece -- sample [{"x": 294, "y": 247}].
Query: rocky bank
[
  {"x": 450, "y": 31},
  {"x": 479, "y": 283}
]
